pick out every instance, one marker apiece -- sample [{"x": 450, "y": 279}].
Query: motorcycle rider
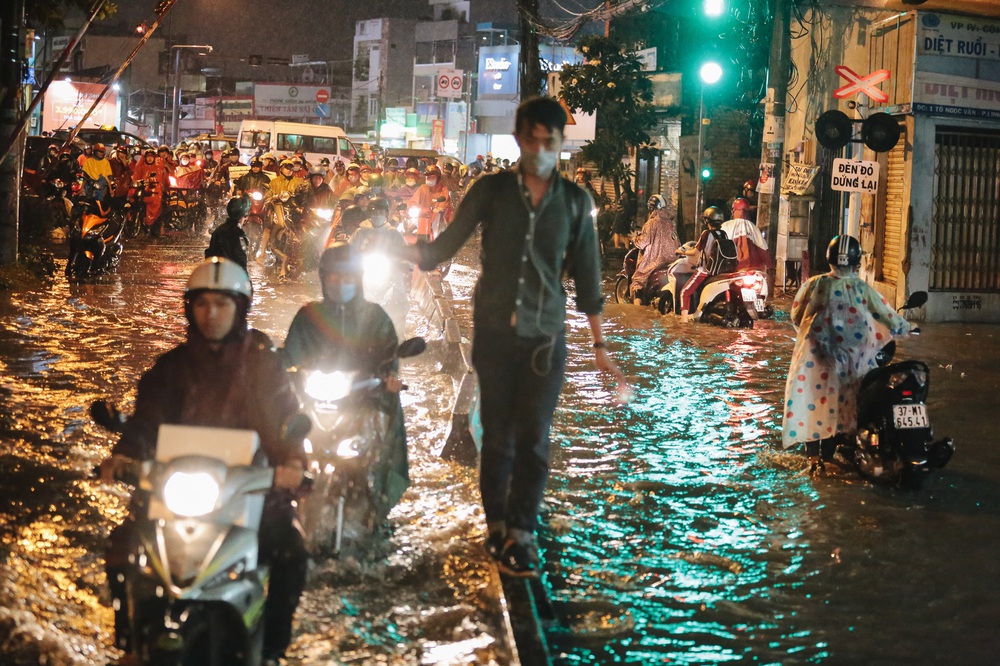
[
  {"x": 352, "y": 178},
  {"x": 713, "y": 218},
  {"x": 154, "y": 172},
  {"x": 97, "y": 174},
  {"x": 286, "y": 181},
  {"x": 751, "y": 246},
  {"x": 270, "y": 162},
  {"x": 121, "y": 178},
  {"x": 657, "y": 242},
  {"x": 356, "y": 335},
  {"x": 426, "y": 198},
  {"x": 408, "y": 187},
  {"x": 255, "y": 179},
  {"x": 224, "y": 375},
  {"x": 229, "y": 240},
  {"x": 841, "y": 323}
]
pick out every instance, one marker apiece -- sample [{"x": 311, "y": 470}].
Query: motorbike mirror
[
  {"x": 441, "y": 199},
  {"x": 884, "y": 356},
  {"x": 401, "y": 206},
  {"x": 296, "y": 427},
  {"x": 915, "y": 300},
  {"x": 106, "y": 415},
  {"x": 412, "y": 347}
]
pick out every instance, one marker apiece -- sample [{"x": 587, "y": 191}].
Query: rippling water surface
[{"x": 674, "y": 530}]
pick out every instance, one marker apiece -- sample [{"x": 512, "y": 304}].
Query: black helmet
[
  {"x": 340, "y": 258},
  {"x": 257, "y": 162},
  {"x": 353, "y": 215},
  {"x": 238, "y": 207},
  {"x": 713, "y": 217},
  {"x": 844, "y": 251},
  {"x": 379, "y": 203},
  {"x": 656, "y": 202}
]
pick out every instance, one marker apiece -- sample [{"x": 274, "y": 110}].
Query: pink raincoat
[
  {"x": 658, "y": 242},
  {"x": 842, "y": 322}
]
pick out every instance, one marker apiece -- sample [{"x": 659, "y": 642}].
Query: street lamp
[
  {"x": 176, "y": 112},
  {"x": 710, "y": 74}
]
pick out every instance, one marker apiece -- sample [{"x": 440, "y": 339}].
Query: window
[
  {"x": 253, "y": 138},
  {"x": 347, "y": 148},
  {"x": 324, "y": 144},
  {"x": 291, "y": 142}
]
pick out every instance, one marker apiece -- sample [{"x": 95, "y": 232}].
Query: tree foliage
[
  {"x": 611, "y": 83},
  {"x": 51, "y": 13}
]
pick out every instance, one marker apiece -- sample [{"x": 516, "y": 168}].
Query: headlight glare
[
  {"x": 329, "y": 386},
  {"x": 191, "y": 494}
]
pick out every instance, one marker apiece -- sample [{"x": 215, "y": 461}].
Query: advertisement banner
[
  {"x": 498, "y": 71},
  {"x": 287, "y": 101},
  {"x": 231, "y": 112},
  {"x": 943, "y": 94},
  {"x": 66, "y": 103}
]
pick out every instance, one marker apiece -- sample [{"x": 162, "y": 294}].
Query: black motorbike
[
  {"x": 349, "y": 459},
  {"x": 95, "y": 240},
  {"x": 895, "y": 441}
]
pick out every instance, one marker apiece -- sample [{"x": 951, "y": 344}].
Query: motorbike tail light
[
  {"x": 907, "y": 394},
  {"x": 896, "y": 379},
  {"x": 173, "y": 181}
]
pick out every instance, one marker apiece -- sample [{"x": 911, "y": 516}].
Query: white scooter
[
  {"x": 194, "y": 586},
  {"x": 732, "y": 300}
]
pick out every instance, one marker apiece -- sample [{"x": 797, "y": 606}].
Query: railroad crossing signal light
[{"x": 879, "y": 131}]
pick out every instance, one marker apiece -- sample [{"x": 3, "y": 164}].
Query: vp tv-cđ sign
[{"x": 854, "y": 176}]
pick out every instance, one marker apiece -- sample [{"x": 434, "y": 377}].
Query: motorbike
[
  {"x": 345, "y": 448},
  {"x": 134, "y": 209},
  {"x": 255, "y": 221},
  {"x": 184, "y": 201},
  {"x": 194, "y": 587},
  {"x": 654, "y": 283},
  {"x": 385, "y": 282},
  {"x": 731, "y": 300},
  {"x": 410, "y": 226},
  {"x": 94, "y": 241},
  {"x": 895, "y": 440},
  {"x": 284, "y": 243}
]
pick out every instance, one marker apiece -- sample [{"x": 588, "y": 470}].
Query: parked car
[{"x": 108, "y": 136}]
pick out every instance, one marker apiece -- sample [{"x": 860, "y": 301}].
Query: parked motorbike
[
  {"x": 346, "y": 448},
  {"x": 895, "y": 440},
  {"x": 194, "y": 587},
  {"x": 654, "y": 283},
  {"x": 732, "y": 300},
  {"x": 94, "y": 241}
]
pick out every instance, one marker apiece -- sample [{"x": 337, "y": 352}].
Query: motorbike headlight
[
  {"x": 256, "y": 196},
  {"x": 414, "y": 212},
  {"x": 376, "y": 265},
  {"x": 285, "y": 196},
  {"x": 349, "y": 448},
  {"x": 325, "y": 213},
  {"x": 173, "y": 181},
  {"x": 896, "y": 379},
  {"x": 329, "y": 386},
  {"x": 191, "y": 494}
]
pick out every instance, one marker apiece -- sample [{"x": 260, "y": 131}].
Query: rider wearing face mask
[
  {"x": 428, "y": 198},
  {"x": 354, "y": 334}
]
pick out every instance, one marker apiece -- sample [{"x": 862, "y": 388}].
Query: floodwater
[{"x": 674, "y": 530}]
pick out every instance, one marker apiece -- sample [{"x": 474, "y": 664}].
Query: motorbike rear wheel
[
  {"x": 621, "y": 292},
  {"x": 665, "y": 303}
]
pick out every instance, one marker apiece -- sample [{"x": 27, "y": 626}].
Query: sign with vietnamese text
[
  {"x": 796, "y": 178},
  {"x": 947, "y": 95},
  {"x": 854, "y": 176},
  {"x": 958, "y": 36},
  {"x": 285, "y": 101},
  {"x": 498, "y": 71}
]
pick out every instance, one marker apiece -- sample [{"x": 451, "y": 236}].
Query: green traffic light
[
  {"x": 706, "y": 173},
  {"x": 714, "y": 7}
]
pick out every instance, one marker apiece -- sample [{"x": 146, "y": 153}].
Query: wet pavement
[{"x": 673, "y": 530}]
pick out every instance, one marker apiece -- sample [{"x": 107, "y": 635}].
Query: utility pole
[
  {"x": 529, "y": 67},
  {"x": 11, "y": 21},
  {"x": 774, "y": 123}
]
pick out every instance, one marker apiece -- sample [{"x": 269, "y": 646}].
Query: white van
[{"x": 284, "y": 138}]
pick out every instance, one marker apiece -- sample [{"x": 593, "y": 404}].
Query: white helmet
[
  {"x": 219, "y": 274},
  {"x": 656, "y": 202}
]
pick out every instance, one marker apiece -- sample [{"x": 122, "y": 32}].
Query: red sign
[
  {"x": 864, "y": 85},
  {"x": 322, "y": 96},
  {"x": 437, "y": 134}
]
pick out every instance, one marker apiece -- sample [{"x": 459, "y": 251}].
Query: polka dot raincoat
[{"x": 842, "y": 322}]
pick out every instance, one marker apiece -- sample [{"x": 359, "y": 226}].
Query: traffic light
[
  {"x": 714, "y": 7},
  {"x": 706, "y": 171}
]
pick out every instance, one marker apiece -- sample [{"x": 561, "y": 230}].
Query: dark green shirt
[{"x": 526, "y": 251}]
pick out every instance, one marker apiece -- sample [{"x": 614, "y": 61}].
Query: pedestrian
[
  {"x": 842, "y": 322},
  {"x": 535, "y": 226},
  {"x": 225, "y": 375},
  {"x": 229, "y": 240}
]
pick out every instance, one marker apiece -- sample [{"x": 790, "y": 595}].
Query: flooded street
[{"x": 674, "y": 530}]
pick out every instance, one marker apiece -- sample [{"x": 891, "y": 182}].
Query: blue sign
[{"x": 323, "y": 110}]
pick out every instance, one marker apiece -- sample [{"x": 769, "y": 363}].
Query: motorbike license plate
[
  {"x": 749, "y": 296},
  {"x": 910, "y": 416}
]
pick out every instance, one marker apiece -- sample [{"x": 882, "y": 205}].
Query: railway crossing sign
[{"x": 861, "y": 84}]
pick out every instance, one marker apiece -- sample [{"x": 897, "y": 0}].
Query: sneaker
[
  {"x": 494, "y": 544},
  {"x": 519, "y": 560}
]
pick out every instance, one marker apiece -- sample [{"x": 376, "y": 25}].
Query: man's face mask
[
  {"x": 410, "y": 182},
  {"x": 378, "y": 218},
  {"x": 540, "y": 164},
  {"x": 353, "y": 177},
  {"x": 185, "y": 161},
  {"x": 431, "y": 182}
]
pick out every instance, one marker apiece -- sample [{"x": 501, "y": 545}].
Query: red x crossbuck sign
[{"x": 861, "y": 84}]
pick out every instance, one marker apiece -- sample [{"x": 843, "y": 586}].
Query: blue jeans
[{"x": 519, "y": 380}]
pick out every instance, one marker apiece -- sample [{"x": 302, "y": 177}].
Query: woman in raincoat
[
  {"x": 657, "y": 243},
  {"x": 842, "y": 323}
]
